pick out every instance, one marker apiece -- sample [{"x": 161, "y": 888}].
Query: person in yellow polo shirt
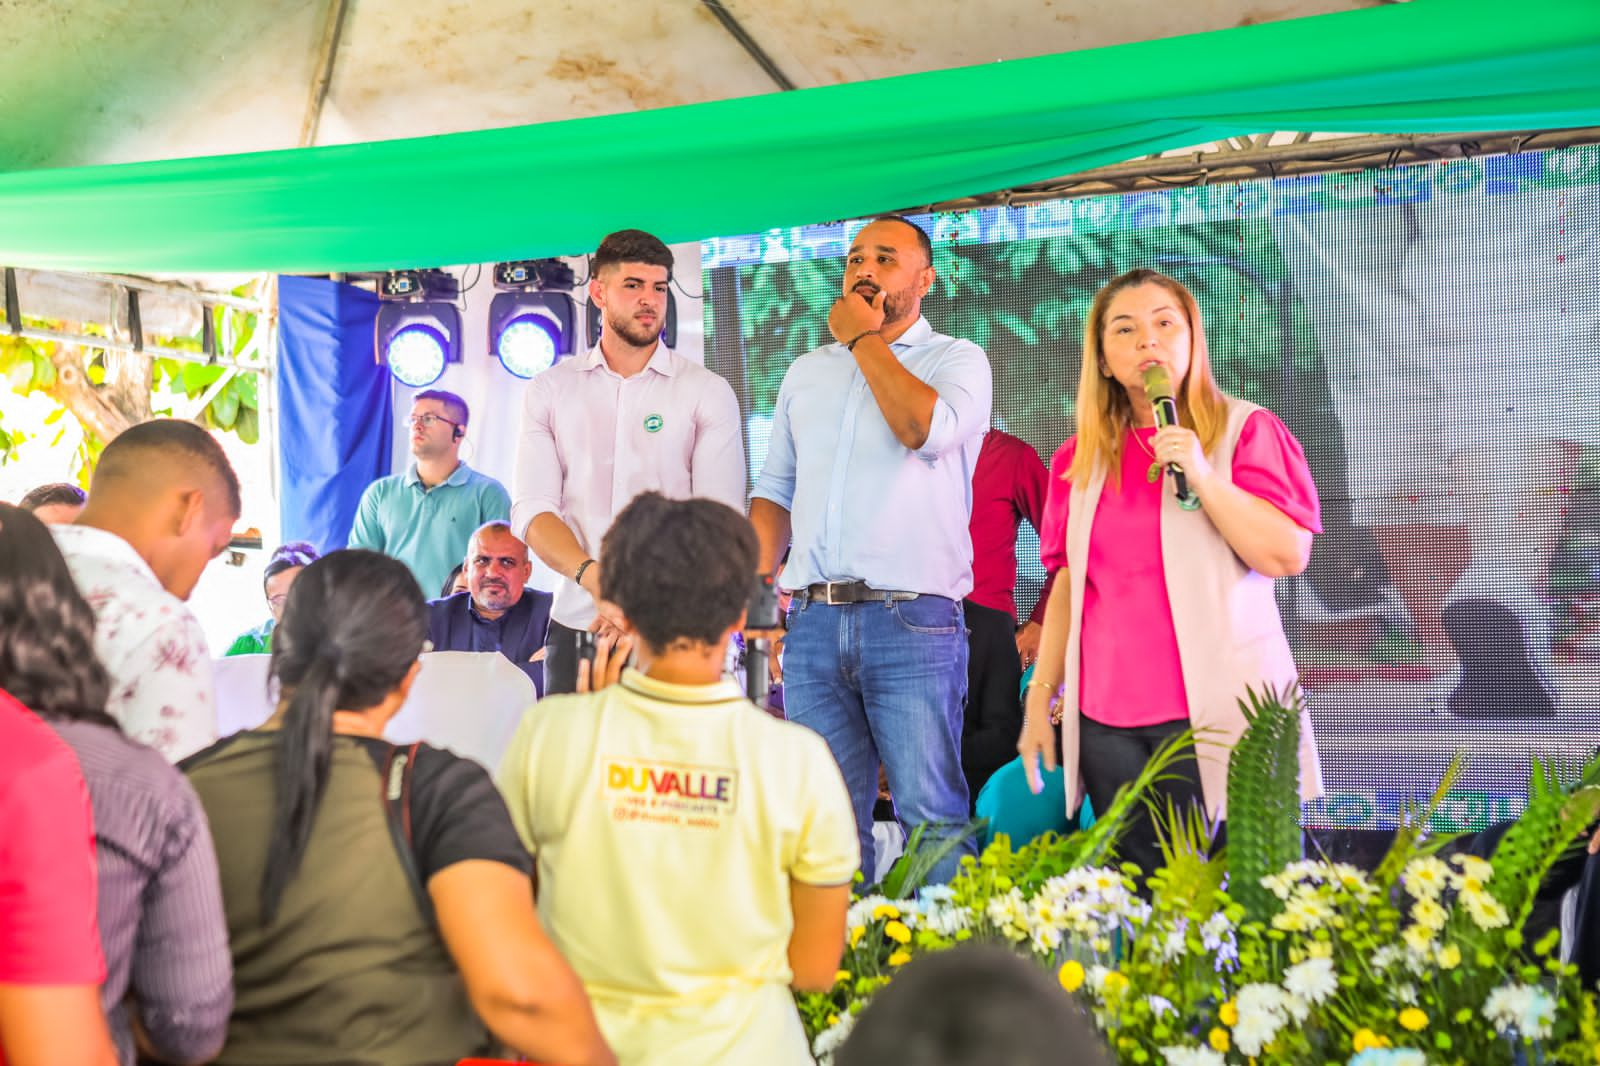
[{"x": 694, "y": 854}]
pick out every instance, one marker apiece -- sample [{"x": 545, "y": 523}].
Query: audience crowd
[{"x": 655, "y": 862}]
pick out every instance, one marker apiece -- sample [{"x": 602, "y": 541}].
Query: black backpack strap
[{"x": 397, "y": 772}]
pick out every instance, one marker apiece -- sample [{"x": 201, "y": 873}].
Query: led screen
[{"x": 1431, "y": 335}]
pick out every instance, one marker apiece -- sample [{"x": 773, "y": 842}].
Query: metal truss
[
  {"x": 1272, "y": 155},
  {"x": 123, "y": 329}
]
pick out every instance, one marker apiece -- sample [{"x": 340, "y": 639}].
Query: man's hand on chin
[{"x": 853, "y": 314}]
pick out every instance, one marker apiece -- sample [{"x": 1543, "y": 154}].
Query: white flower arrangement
[
  {"x": 1314, "y": 980},
  {"x": 1525, "y": 1010},
  {"x": 1316, "y": 963},
  {"x": 1193, "y": 1056},
  {"x": 831, "y": 1039}
]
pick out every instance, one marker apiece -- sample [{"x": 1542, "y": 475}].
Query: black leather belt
[{"x": 838, "y": 592}]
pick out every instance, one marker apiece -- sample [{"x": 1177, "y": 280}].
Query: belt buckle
[{"x": 827, "y": 592}]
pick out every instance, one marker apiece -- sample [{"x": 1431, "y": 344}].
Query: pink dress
[{"x": 1130, "y": 672}]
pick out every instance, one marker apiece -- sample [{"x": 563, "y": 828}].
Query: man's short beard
[
  {"x": 496, "y": 600},
  {"x": 897, "y": 306},
  {"x": 628, "y": 330}
]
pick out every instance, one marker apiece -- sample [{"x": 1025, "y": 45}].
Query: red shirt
[
  {"x": 1009, "y": 484},
  {"x": 48, "y": 933}
]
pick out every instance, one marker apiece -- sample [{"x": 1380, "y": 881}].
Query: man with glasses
[
  {"x": 276, "y": 577},
  {"x": 426, "y": 516}
]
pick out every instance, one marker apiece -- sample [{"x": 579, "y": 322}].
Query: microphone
[{"x": 1158, "y": 388}]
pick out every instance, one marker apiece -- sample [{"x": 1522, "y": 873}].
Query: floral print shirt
[{"x": 150, "y": 642}]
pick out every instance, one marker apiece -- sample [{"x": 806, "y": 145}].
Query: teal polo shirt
[{"x": 428, "y": 529}]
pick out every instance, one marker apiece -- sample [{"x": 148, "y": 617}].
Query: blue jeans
[{"x": 885, "y": 682}]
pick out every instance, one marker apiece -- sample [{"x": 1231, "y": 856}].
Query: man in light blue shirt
[
  {"x": 426, "y": 516},
  {"x": 869, "y": 473}
]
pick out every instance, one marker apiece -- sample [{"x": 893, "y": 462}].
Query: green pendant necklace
[{"x": 1152, "y": 475}]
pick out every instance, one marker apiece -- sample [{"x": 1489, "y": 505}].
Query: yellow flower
[
  {"x": 897, "y": 931},
  {"x": 1229, "y": 1014},
  {"x": 1429, "y": 914},
  {"x": 1071, "y": 975},
  {"x": 1477, "y": 869},
  {"x": 842, "y": 975},
  {"x": 1218, "y": 1039},
  {"x": 855, "y": 934},
  {"x": 1115, "y": 983},
  {"x": 885, "y": 910},
  {"x": 1414, "y": 1019},
  {"x": 1366, "y": 1039},
  {"x": 1426, "y": 877},
  {"x": 900, "y": 958},
  {"x": 833, "y": 1019},
  {"x": 1419, "y": 938},
  {"x": 1487, "y": 912},
  {"x": 1449, "y": 957}
]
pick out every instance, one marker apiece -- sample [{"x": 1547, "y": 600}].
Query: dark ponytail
[
  {"x": 352, "y": 626},
  {"x": 47, "y": 653}
]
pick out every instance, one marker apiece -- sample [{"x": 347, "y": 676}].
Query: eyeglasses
[{"x": 427, "y": 421}]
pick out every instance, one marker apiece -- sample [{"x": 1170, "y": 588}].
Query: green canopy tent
[{"x": 747, "y": 164}]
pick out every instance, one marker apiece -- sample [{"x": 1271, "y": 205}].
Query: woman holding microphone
[{"x": 1167, "y": 615}]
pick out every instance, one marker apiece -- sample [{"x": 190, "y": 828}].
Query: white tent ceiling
[{"x": 107, "y": 81}]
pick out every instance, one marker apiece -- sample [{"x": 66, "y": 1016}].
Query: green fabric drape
[{"x": 743, "y": 165}]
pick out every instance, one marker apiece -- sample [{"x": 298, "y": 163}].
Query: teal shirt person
[
  {"x": 426, "y": 516},
  {"x": 428, "y": 529}
]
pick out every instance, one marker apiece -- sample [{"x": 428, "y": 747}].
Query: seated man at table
[{"x": 498, "y": 612}]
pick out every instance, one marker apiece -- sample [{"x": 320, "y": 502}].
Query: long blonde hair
[{"x": 1104, "y": 410}]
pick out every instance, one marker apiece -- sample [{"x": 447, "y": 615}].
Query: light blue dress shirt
[
  {"x": 428, "y": 529},
  {"x": 863, "y": 506}
]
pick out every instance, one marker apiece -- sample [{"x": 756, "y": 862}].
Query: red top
[
  {"x": 1131, "y": 673},
  {"x": 48, "y": 933},
  {"x": 1008, "y": 485}
]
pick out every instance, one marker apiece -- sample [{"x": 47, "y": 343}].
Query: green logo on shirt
[{"x": 653, "y": 423}]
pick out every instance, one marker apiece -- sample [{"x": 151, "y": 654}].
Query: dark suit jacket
[{"x": 453, "y": 625}]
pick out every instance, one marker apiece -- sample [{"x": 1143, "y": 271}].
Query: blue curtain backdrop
[{"x": 334, "y": 411}]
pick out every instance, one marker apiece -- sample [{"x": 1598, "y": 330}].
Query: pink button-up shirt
[{"x": 591, "y": 440}]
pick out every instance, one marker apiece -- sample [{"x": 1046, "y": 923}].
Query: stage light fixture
[
  {"x": 418, "y": 331},
  {"x": 531, "y": 318}
]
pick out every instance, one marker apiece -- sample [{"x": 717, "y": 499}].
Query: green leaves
[
  {"x": 234, "y": 406},
  {"x": 1406, "y": 844},
  {"x": 910, "y": 871},
  {"x": 224, "y": 410},
  {"x": 1557, "y": 812},
  {"x": 24, "y": 366},
  {"x": 1264, "y": 798}
]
